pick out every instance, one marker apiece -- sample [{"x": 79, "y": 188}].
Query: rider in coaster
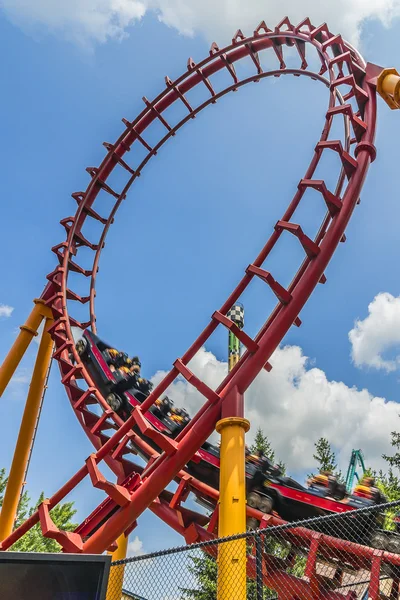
[
  {"x": 129, "y": 369},
  {"x": 144, "y": 385},
  {"x": 264, "y": 463},
  {"x": 323, "y": 482},
  {"x": 366, "y": 488},
  {"x": 179, "y": 416},
  {"x": 118, "y": 359},
  {"x": 164, "y": 405}
]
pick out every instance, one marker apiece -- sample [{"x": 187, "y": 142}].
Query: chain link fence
[{"x": 355, "y": 554}]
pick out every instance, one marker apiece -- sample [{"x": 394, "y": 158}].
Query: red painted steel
[{"x": 352, "y": 100}]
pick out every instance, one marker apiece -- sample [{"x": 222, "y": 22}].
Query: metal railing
[{"x": 342, "y": 556}]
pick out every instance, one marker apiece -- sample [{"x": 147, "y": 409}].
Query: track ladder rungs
[
  {"x": 196, "y": 382},
  {"x": 360, "y": 95},
  {"x": 66, "y": 346},
  {"x": 191, "y": 65},
  {"x": 182, "y": 492},
  {"x": 254, "y": 57},
  {"x": 102, "y": 424},
  {"x": 310, "y": 247},
  {"x": 353, "y": 67},
  {"x": 228, "y": 65},
  {"x": 71, "y": 295},
  {"x": 318, "y": 31},
  {"x": 335, "y": 40},
  {"x": 349, "y": 163},
  {"x": 167, "y": 444},
  {"x": 246, "y": 340},
  {"x": 139, "y": 138},
  {"x": 118, "y": 158},
  {"x": 72, "y": 266},
  {"x": 158, "y": 115},
  {"x": 74, "y": 323},
  {"x": 359, "y": 126},
  {"x": 170, "y": 84},
  {"x": 94, "y": 173},
  {"x": 80, "y": 197},
  {"x": 118, "y": 493},
  {"x": 304, "y": 23},
  {"x": 280, "y": 292},
  {"x": 332, "y": 202},
  {"x": 75, "y": 371},
  {"x": 277, "y": 48},
  {"x": 70, "y": 542},
  {"x": 122, "y": 449},
  {"x": 78, "y": 236},
  {"x": 83, "y": 398}
]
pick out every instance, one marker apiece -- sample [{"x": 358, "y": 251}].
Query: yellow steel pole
[
  {"x": 232, "y": 557},
  {"x": 116, "y": 579},
  {"x": 26, "y": 432},
  {"x": 232, "y": 509},
  {"x": 388, "y": 87},
  {"x": 28, "y": 332}
]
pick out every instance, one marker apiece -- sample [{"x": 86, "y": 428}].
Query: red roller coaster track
[{"x": 352, "y": 100}]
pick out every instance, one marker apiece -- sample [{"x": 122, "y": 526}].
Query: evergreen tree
[
  {"x": 262, "y": 444},
  {"x": 33, "y": 540},
  {"x": 205, "y": 570},
  {"x": 326, "y": 458}
]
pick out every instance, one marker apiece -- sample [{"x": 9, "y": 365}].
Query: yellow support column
[
  {"x": 388, "y": 87},
  {"x": 28, "y": 332},
  {"x": 232, "y": 509},
  {"x": 22, "y": 448},
  {"x": 116, "y": 579}
]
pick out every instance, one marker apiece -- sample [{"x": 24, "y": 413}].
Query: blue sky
[{"x": 206, "y": 203}]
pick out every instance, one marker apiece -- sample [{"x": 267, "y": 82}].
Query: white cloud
[
  {"x": 6, "y": 311},
  {"x": 135, "y": 547},
  {"x": 95, "y": 21},
  {"x": 19, "y": 382},
  {"x": 295, "y": 404},
  {"x": 21, "y": 377},
  {"x": 377, "y": 333}
]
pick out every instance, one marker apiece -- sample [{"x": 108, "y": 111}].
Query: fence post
[{"x": 259, "y": 574}]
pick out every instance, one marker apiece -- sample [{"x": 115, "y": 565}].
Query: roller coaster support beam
[
  {"x": 232, "y": 509},
  {"x": 232, "y": 484},
  {"x": 116, "y": 580},
  {"x": 29, "y": 420},
  {"x": 28, "y": 332}
]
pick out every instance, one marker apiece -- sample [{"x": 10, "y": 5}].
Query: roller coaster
[{"x": 127, "y": 424}]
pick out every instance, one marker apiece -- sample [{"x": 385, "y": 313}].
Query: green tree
[
  {"x": 262, "y": 444},
  {"x": 33, "y": 540},
  {"x": 389, "y": 484},
  {"x": 326, "y": 458},
  {"x": 204, "y": 568},
  {"x": 394, "y": 461}
]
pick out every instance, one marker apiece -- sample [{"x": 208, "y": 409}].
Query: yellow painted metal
[
  {"x": 28, "y": 332},
  {"x": 388, "y": 86},
  {"x": 26, "y": 432},
  {"x": 233, "y": 359},
  {"x": 116, "y": 579},
  {"x": 232, "y": 509}
]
